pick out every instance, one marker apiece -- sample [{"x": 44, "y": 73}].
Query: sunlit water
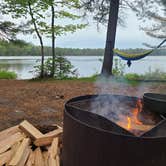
[{"x": 85, "y": 65}]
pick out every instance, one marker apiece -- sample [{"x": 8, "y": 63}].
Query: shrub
[
  {"x": 132, "y": 76},
  {"x": 118, "y": 68},
  {"x": 63, "y": 68},
  {"x": 7, "y": 75},
  {"x": 157, "y": 74}
]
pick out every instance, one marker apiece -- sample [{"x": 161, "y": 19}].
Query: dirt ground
[{"x": 42, "y": 103}]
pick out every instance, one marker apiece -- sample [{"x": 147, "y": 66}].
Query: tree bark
[
  {"x": 110, "y": 41},
  {"x": 40, "y": 39},
  {"x": 53, "y": 41}
]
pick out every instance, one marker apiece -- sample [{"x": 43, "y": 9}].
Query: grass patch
[
  {"x": 7, "y": 75},
  {"x": 151, "y": 76},
  {"x": 92, "y": 78}
]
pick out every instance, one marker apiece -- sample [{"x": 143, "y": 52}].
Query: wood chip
[
  {"x": 30, "y": 130},
  {"x": 47, "y": 139},
  {"x": 39, "y": 161},
  {"x": 20, "y": 153},
  {"x": 9, "y": 141}
]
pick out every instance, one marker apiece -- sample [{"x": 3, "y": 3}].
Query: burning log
[{"x": 134, "y": 128}]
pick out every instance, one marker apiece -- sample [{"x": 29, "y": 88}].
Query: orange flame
[
  {"x": 128, "y": 123},
  {"x": 133, "y": 119}
]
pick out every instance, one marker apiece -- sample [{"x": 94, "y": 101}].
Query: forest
[{"x": 27, "y": 49}]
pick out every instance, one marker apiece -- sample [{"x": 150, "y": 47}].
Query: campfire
[
  {"x": 137, "y": 120},
  {"x": 112, "y": 130},
  {"x": 126, "y": 112}
]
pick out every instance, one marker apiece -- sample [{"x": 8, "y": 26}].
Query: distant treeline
[
  {"x": 157, "y": 52},
  {"x": 23, "y": 49}
]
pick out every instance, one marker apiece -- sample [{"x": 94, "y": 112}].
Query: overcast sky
[{"x": 128, "y": 37}]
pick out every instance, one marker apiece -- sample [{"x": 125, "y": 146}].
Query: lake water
[{"x": 85, "y": 65}]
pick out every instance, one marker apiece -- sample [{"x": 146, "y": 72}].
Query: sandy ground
[{"x": 42, "y": 103}]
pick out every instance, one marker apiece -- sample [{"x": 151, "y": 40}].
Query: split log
[
  {"x": 15, "y": 147},
  {"x": 47, "y": 139},
  {"x": 5, "y": 157},
  {"x": 13, "y": 151},
  {"x": 134, "y": 126},
  {"x": 30, "y": 130},
  {"x": 8, "y": 142},
  {"x": 57, "y": 126},
  {"x": 45, "y": 157},
  {"x": 57, "y": 160},
  {"x": 31, "y": 159},
  {"x": 25, "y": 157},
  {"x": 8, "y": 132},
  {"x": 21, "y": 153},
  {"x": 39, "y": 161},
  {"x": 52, "y": 161},
  {"x": 53, "y": 150}
]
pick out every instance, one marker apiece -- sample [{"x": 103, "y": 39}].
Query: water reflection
[
  {"x": 22, "y": 67},
  {"x": 86, "y": 65}
]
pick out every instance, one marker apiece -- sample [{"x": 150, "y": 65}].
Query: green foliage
[
  {"x": 92, "y": 78},
  {"x": 156, "y": 75},
  {"x": 132, "y": 77},
  {"x": 152, "y": 11},
  {"x": 118, "y": 69},
  {"x": 63, "y": 68},
  {"x": 17, "y": 48},
  {"x": 10, "y": 29},
  {"x": 20, "y": 48},
  {"x": 63, "y": 10},
  {"x": 7, "y": 75}
]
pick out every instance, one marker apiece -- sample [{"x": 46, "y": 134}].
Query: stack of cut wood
[{"x": 26, "y": 145}]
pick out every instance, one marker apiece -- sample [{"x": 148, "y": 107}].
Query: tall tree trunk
[
  {"x": 110, "y": 41},
  {"x": 53, "y": 41},
  {"x": 40, "y": 39}
]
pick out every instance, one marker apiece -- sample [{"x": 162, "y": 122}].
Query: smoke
[
  {"x": 110, "y": 106},
  {"x": 116, "y": 99}
]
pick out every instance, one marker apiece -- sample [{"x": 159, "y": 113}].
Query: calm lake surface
[{"x": 85, "y": 65}]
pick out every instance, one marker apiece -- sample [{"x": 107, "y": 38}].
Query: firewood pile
[{"x": 26, "y": 145}]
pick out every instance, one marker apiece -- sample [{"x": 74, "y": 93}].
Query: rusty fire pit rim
[
  {"x": 103, "y": 130},
  {"x": 155, "y": 98},
  {"x": 88, "y": 96},
  {"x": 111, "y": 132}
]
